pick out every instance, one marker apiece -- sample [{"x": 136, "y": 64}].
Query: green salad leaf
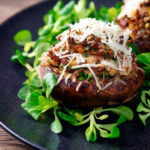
[
  {"x": 56, "y": 126},
  {"x": 107, "y": 130},
  {"x": 23, "y": 37},
  {"x": 144, "y": 107},
  {"x": 110, "y": 14},
  {"x": 37, "y": 104},
  {"x": 90, "y": 132},
  {"x": 36, "y": 82},
  {"x": 49, "y": 81},
  {"x": 24, "y": 93},
  {"x": 21, "y": 59},
  {"x": 144, "y": 61},
  {"x": 135, "y": 49},
  {"x": 39, "y": 50},
  {"x": 122, "y": 111},
  {"x": 67, "y": 9}
]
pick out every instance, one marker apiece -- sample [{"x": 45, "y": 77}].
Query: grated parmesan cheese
[
  {"x": 111, "y": 64},
  {"x": 95, "y": 77},
  {"x": 67, "y": 78},
  {"x": 78, "y": 86},
  {"x": 61, "y": 76},
  {"x": 87, "y": 65},
  {"x": 107, "y": 85},
  {"x": 118, "y": 80},
  {"x": 74, "y": 79}
]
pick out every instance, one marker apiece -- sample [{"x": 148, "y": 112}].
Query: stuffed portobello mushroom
[
  {"x": 93, "y": 65},
  {"x": 135, "y": 15}
]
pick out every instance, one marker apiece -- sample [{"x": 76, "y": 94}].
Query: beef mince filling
[
  {"x": 93, "y": 66},
  {"x": 138, "y": 22},
  {"x": 93, "y": 51}
]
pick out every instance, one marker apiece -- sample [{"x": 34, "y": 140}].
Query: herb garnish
[
  {"x": 83, "y": 76},
  {"x": 86, "y": 55}
]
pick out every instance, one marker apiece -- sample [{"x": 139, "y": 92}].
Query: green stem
[
  {"x": 29, "y": 67},
  {"x": 81, "y": 123},
  {"x": 107, "y": 109},
  {"x": 92, "y": 121},
  {"x": 55, "y": 111},
  {"x": 31, "y": 55}
]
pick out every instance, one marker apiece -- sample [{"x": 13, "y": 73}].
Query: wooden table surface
[{"x": 7, "y": 9}]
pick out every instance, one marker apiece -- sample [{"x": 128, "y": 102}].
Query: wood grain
[
  {"x": 11, "y": 7},
  {"x": 8, "y": 142},
  {"x": 7, "y": 9}
]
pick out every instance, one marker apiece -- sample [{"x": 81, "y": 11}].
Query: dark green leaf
[
  {"x": 118, "y": 6},
  {"x": 86, "y": 55},
  {"x": 59, "y": 5},
  {"x": 66, "y": 117},
  {"x": 144, "y": 107},
  {"x": 90, "y": 134},
  {"x": 104, "y": 14},
  {"x": 111, "y": 130},
  {"x": 40, "y": 49},
  {"x": 24, "y": 93},
  {"x": 35, "y": 81},
  {"x": 135, "y": 49},
  {"x": 20, "y": 57},
  {"x": 43, "y": 32},
  {"x": 81, "y": 7},
  {"x": 56, "y": 126},
  {"x": 89, "y": 76},
  {"x": 121, "y": 120},
  {"x": 73, "y": 111},
  {"x": 46, "y": 104},
  {"x": 94, "y": 10},
  {"x": 144, "y": 117},
  {"x": 32, "y": 106},
  {"x": 38, "y": 104},
  {"x": 14, "y": 58},
  {"x": 122, "y": 111},
  {"x": 23, "y": 37},
  {"x": 49, "y": 18},
  {"x": 144, "y": 58},
  {"x": 67, "y": 8},
  {"x": 49, "y": 81},
  {"x": 115, "y": 133}
]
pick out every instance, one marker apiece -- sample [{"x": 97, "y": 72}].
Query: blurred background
[{"x": 10, "y": 7}]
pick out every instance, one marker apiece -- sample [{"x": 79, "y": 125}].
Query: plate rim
[{"x": 20, "y": 138}]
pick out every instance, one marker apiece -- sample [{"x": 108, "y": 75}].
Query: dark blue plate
[{"x": 38, "y": 133}]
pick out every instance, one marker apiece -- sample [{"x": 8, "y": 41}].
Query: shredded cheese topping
[
  {"x": 110, "y": 34},
  {"x": 67, "y": 78},
  {"x": 78, "y": 86},
  {"x": 107, "y": 85},
  {"x": 129, "y": 7}
]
